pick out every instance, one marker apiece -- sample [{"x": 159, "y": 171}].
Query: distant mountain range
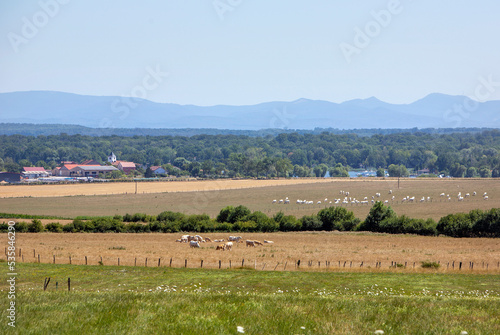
[{"x": 433, "y": 111}]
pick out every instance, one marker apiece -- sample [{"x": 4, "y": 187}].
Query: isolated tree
[
  {"x": 377, "y": 214},
  {"x": 149, "y": 173},
  {"x": 380, "y": 172}
]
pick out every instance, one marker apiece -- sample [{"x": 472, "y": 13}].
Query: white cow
[
  {"x": 234, "y": 238},
  {"x": 194, "y": 244},
  {"x": 228, "y": 245},
  {"x": 250, "y": 243}
]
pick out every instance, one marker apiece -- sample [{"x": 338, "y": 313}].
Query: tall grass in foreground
[{"x": 129, "y": 300}]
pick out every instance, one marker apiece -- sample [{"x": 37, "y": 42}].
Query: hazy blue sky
[{"x": 251, "y": 51}]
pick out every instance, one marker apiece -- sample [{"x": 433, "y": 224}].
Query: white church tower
[{"x": 112, "y": 158}]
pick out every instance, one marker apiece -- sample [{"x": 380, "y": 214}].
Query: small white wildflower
[
  {"x": 463, "y": 332},
  {"x": 380, "y": 332},
  {"x": 302, "y": 327},
  {"x": 240, "y": 329}
]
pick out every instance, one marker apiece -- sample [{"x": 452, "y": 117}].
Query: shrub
[
  {"x": 4, "y": 227},
  {"x": 35, "y": 226},
  {"x": 169, "y": 216},
  {"x": 69, "y": 228},
  {"x": 224, "y": 214},
  {"x": 245, "y": 226},
  {"x": 337, "y": 218},
  {"x": 21, "y": 227},
  {"x": 378, "y": 213},
  {"x": 156, "y": 226},
  {"x": 311, "y": 222},
  {"x": 172, "y": 227},
  {"x": 54, "y": 227},
  {"x": 135, "y": 227},
  {"x": 455, "y": 225},
  {"x": 224, "y": 226},
  {"x": 195, "y": 223},
  {"x": 430, "y": 265}
]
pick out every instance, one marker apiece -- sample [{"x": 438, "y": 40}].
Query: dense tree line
[
  {"x": 286, "y": 154},
  {"x": 381, "y": 218},
  {"x": 30, "y": 129}
]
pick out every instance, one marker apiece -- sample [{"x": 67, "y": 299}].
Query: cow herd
[{"x": 195, "y": 240}]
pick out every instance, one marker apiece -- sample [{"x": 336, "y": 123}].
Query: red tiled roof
[
  {"x": 70, "y": 166},
  {"x": 34, "y": 169},
  {"x": 127, "y": 164}
]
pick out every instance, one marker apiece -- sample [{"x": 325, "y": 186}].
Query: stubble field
[
  {"x": 343, "y": 251},
  {"x": 211, "y": 196}
]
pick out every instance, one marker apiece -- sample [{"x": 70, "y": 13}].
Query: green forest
[{"x": 474, "y": 154}]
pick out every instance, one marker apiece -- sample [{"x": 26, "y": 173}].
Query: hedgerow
[{"x": 381, "y": 218}]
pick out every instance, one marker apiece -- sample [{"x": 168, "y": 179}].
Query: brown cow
[{"x": 250, "y": 243}]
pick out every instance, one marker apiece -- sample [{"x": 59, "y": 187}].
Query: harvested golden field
[
  {"x": 314, "y": 247},
  {"x": 110, "y": 188},
  {"x": 210, "y": 198}
]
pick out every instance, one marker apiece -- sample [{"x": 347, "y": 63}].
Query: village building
[
  {"x": 112, "y": 158},
  {"x": 158, "y": 170},
  {"x": 10, "y": 177},
  {"x": 90, "y": 162},
  {"x": 126, "y": 167},
  {"x": 91, "y": 170},
  {"x": 34, "y": 172}
]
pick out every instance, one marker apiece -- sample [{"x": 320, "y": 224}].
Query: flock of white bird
[{"x": 352, "y": 200}]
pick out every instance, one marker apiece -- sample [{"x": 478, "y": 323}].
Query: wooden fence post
[
  {"x": 170, "y": 261},
  {"x": 276, "y": 266},
  {"x": 135, "y": 261},
  {"x": 159, "y": 260},
  {"x": 54, "y": 256},
  {"x": 146, "y": 263},
  {"x": 285, "y": 266},
  {"x": 118, "y": 261},
  {"x": 185, "y": 263},
  {"x": 69, "y": 284},
  {"x": 219, "y": 263},
  {"x": 242, "y": 262},
  {"x": 46, "y": 283},
  {"x": 85, "y": 260},
  {"x": 70, "y": 260}
]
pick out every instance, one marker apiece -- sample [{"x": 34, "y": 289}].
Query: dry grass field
[
  {"x": 211, "y": 197},
  {"x": 287, "y": 248},
  {"x": 62, "y": 190}
]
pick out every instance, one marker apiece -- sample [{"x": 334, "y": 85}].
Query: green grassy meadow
[{"x": 138, "y": 300}]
